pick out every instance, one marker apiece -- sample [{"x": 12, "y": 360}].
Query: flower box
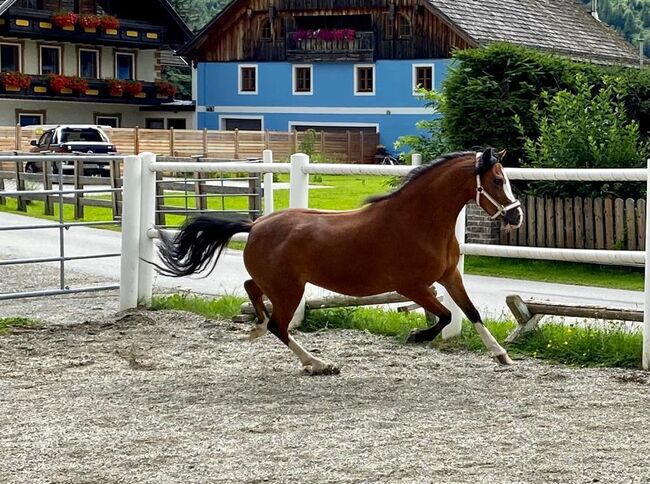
[
  {"x": 115, "y": 88},
  {"x": 133, "y": 88},
  {"x": 64, "y": 19},
  {"x": 15, "y": 81},
  {"x": 89, "y": 22},
  {"x": 109, "y": 23},
  {"x": 165, "y": 89},
  {"x": 67, "y": 84}
]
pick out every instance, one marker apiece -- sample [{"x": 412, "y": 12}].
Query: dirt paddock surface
[{"x": 170, "y": 397}]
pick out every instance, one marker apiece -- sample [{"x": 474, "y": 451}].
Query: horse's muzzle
[{"x": 513, "y": 218}]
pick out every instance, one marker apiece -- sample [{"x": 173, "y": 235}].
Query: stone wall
[{"x": 478, "y": 226}]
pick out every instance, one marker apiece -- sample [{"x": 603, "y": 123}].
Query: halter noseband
[{"x": 501, "y": 209}]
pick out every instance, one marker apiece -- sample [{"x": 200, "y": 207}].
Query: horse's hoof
[
  {"x": 412, "y": 338},
  {"x": 503, "y": 360},
  {"x": 322, "y": 369}
]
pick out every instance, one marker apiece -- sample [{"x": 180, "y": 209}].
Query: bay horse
[{"x": 403, "y": 241}]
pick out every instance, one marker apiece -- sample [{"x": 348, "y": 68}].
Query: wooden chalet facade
[
  {"x": 333, "y": 65},
  {"x": 89, "y": 62}
]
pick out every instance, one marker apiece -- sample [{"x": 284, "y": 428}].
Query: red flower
[
  {"x": 165, "y": 88},
  {"x": 56, "y": 82},
  {"x": 109, "y": 22},
  {"x": 133, "y": 88},
  {"x": 89, "y": 21},
  {"x": 115, "y": 87},
  {"x": 16, "y": 79},
  {"x": 78, "y": 84},
  {"x": 64, "y": 18}
]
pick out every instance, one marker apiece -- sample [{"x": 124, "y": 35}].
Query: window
[
  {"x": 26, "y": 118},
  {"x": 90, "y": 135},
  {"x": 387, "y": 25},
  {"x": 50, "y": 59},
  {"x": 302, "y": 80},
  {"x": 88, "y": 63},
  {"x": 422, "y": 77},
  {"x": 112, "y": 120},
  {"x": 176, "y": 123},
  {"x": 248, "y": 79},
  {"x": 154, "y": 123},
  {"x": 404, "y": 27},
  {"x": 364, "y": 80},
  {"x": 9, "y": 57},
  {"x": 37, "y": 4},
  {"x": 266, "y": 32},
  {"x": 243, "y": 124},
  {"x": 124, "y": 66}
]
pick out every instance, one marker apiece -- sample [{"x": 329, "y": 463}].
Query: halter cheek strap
[{"x": 501, "y": 209}]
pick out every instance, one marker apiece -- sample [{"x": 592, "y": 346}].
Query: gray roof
[{"x": 562, "y": 26}]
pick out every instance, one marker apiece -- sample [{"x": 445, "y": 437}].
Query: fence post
[
  {"x": 456, "y": 325},
  {"x": 299, "y": 198},
  {"x": 147, "y": 220},
  {"x": 646, "y": 307},
  {"x": 416, "y": 159},
  {"x": 299, "y": 181},
  {"x": 130, "y": 232},
  {"x": 267, "y": 157}
]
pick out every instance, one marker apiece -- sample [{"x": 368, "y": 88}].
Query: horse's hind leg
[
  {"x": 426, "y": 298},
  {"x": 255, "y": 295},
  {"x": 453, "y": 283},
  {"x": 284, "y": 307}
]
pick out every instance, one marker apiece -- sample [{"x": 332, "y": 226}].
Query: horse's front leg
[
  {"x": 425, "y": 297},
  {"x": 453, "y": 283}
]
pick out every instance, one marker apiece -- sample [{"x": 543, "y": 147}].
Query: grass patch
[
  {"x": 7, "y": 324},
  {"x": 218, "y": 308},
  {"x": 559, "y": 272}
]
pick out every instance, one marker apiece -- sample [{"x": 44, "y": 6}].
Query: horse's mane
[{"x": 417, "y": 173}]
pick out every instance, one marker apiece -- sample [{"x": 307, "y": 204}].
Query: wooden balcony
[
  {"x": 325, "y": 5},
  {"x": 97, "y": 92},
  {"x": 359, "y": 49},
  {"x": 37, "y": 24}
]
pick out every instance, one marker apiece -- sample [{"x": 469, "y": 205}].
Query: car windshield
[{"x": 69, "y": 135}]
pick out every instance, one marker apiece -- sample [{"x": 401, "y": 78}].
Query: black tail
[{"x": 192, "y": 249}]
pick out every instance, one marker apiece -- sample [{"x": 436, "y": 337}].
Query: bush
[{"x": 584, "y": 130}]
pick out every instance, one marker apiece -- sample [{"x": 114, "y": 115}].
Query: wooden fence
[
  {"x": 581, "y": 223},
  {"x": 189, "y": 196},
  {"x": 343, "y": 147}
]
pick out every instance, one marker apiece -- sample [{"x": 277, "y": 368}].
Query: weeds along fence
[
  {"x": 139, "y": 230},
  {"x": 188, "y": 192},
  {"x": 343, "y": 147},
  {"x": 581, "y": 223}
]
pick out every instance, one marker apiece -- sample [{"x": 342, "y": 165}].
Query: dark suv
[{"x": 73, "y": 138}]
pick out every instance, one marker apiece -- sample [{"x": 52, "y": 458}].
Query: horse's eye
[{"x": 498, "y": 182}]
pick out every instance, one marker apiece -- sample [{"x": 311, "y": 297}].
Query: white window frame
[
  {"x": 40, "y": 115},
  {"x": 97, "y": 63},
  {"x": 356, "y": 83},
  {"x": 415, "y": 77},
  {"x": 240, "y": 67},
  {"x": 224, "y": 118},
  {"x": 295, "y": 80},
  {"x": 107, "y": 116},
  {"x": 132, "y": 56},
  {"x": 20, "y": 53},
  {"x": 40, "y": 58},
  {"x": 325, "y": 124}
]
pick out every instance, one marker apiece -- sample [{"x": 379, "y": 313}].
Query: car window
[
  {"x": 69, "y": 135},
  {"x": 46, "y": 139}
]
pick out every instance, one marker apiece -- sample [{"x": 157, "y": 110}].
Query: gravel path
[{"x": 170, "y": 397}]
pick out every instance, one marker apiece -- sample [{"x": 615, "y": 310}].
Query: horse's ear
[
  {"x": 486, "y": 160},
  {"x": 502, "y": 153}
]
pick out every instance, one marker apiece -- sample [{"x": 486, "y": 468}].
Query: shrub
[
  {"x": 165, "y": 88},
  {"x": 584, "y": 130}
]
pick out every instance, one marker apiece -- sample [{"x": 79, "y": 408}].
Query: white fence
[{"x": 138, "y": 229}]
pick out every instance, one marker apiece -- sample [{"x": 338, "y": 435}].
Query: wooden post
[
  {"x": 526, "y": 321},
  {"x": 559, "y": 223},
  {"x": 322, "y": 142},
  {"x": 116, "y": 201},
  {"x": 3, "y": 200},
  {"x": 19, "y": 137},
  {"x": 20, "y": 185},
  {"x": 172, "y": 151},
  {"x": 136, "y": 141},
  {"x": 349, "y": 146},
  {"x": 580, "y": 223},
  {"x": 541, "y": 229},
  {"x": 640, "y": 223},
  {"x": 619, "y": 223},
  {"x": 361, "y": 156},
  {"x": 530, "y": 221},
  {"x": 550, "y": 222},
  {"x": 236, "y": 144},
  {"x": 255, "y": 197},
  {"x": 78, "y": 205},
  {"x": 630, "y": 223},
  {"x": 609, "y": 223},
  {"x": 48, "y": 203},
  {"x": 266, "y": 139},
  {"x": 599, "y": 226},
  {"x": 569, "y": 241},
  {"x": 294, "y": 144},
  {"x": 589, "y": 222},
  {"x": 201, "y": 203},
  {"x": 205, "y": 142}
]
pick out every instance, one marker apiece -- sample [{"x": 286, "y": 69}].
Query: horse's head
[{"x": 493, "y": 191}]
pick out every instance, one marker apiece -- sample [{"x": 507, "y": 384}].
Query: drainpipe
[{"x": 594, "y": 9}]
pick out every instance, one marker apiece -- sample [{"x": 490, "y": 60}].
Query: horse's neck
[{"x": 438, "y": 197}]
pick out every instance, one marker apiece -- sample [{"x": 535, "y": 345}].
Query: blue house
[{"x": 341, "y": 65}]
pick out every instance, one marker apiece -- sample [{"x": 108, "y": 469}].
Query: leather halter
[{"x": 501, "y": 209}]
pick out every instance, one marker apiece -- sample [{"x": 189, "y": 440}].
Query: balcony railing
[
  {"x": 26, "y": 22},
  {"x": 359, "y": 48},
  {"x": 98, "y": 91}
]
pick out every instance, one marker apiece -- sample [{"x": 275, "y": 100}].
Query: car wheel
[{"x": 31, "y": 167}]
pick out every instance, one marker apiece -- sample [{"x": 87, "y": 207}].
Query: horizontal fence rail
[{"x": 299, "y": 170}]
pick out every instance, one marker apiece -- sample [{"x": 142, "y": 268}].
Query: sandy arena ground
[{"x": 169, "y": 397}]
